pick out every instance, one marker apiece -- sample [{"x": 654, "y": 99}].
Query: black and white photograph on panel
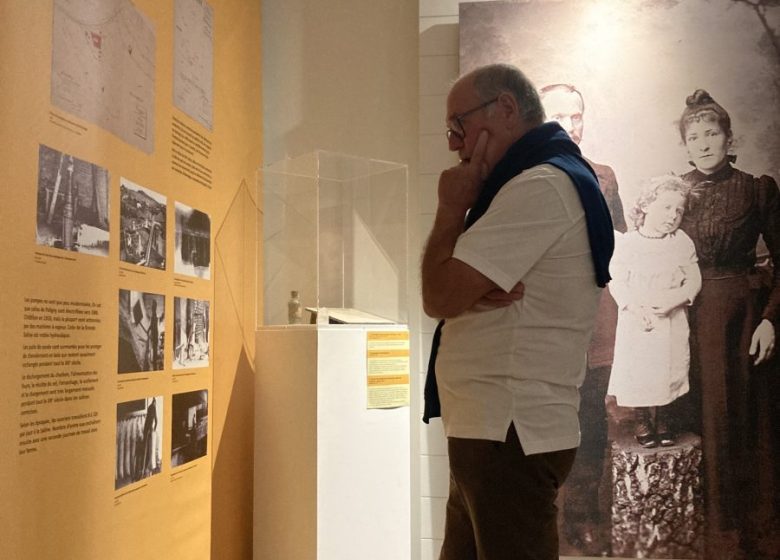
[
  {"x": 190, "y": 333},
  {"x": 189, "y": 430},
  {"x": 139, "y": 440},
  {"x": 676, "y": 105},
  {"x": 192, "y": 254},
  {"x": 72, "y": 212},
  {"x": 141, "y": 332},
  {"x": 142, "y": 219}
]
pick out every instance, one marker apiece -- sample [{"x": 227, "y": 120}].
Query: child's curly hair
[{"x": 650, "y": 191}]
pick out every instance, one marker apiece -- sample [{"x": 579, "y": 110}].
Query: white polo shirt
[{"x": 523, "y": 363}]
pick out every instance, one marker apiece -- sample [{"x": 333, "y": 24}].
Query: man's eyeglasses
[{"x": 455, "y": 123}]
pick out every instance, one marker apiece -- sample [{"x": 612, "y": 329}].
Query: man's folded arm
[
  {"x": 454, "y": 287},
  {"x": 449, "y": 286}
]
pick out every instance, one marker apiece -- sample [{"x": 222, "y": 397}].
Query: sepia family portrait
[{"x": 675, "y": 106}]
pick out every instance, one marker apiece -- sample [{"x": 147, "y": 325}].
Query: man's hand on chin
[{"x": 459, "y": 186}]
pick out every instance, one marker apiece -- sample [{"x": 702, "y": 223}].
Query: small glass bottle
[{"x": 294, "y": 309}]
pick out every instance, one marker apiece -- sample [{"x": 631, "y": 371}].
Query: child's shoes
[
  {"x": 643, "y": 429},
  {"x": 664, "y": 434}
]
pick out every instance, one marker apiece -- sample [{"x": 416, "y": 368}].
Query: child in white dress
[{"x": 655, "y": 277}]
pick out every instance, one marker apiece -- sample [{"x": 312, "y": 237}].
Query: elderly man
[
  {"x": 585, "y": 518},
  {"x": 518, "y": 252}
]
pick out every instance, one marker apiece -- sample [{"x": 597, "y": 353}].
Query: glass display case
[{"x": 335, "y": 240}]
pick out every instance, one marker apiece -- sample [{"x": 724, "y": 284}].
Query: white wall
[{"x": 342, "y": 76}]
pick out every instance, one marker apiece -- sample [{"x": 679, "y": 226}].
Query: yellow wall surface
[{"x": 61, "y": 494}]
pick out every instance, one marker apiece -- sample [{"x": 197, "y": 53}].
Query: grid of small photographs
[{"x": 73, "y": 210}]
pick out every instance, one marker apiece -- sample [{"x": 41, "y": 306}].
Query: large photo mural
[{"x": 676, "y": 105}]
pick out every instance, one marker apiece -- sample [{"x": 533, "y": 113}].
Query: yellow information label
[
  {"x": 387, "y": 361},
  {"x": 385, "y": 380},
  {"x": 402, "y": 336}
]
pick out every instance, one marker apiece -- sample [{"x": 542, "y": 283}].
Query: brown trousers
[{"x": 502, "y": 501}]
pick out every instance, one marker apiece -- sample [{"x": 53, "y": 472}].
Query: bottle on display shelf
[{"x": 294, "y": 309}]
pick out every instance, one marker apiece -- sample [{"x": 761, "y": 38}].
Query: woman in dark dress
[{"x": 732, "y": 334}]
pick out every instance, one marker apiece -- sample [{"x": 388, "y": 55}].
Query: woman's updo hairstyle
[{"x": 701, "y": 106}]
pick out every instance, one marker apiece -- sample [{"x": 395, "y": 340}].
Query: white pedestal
[{"x": 332, "y": 478}]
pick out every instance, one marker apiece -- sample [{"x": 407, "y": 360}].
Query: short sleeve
[{"x": 527, "y": 216}]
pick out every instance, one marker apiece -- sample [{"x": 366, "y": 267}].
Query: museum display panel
[
  {"x": 114, "y": 277},
  {"x": 335, "y": 232}
]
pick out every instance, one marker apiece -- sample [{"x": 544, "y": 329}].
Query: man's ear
[{"x": 508, "y": 108}]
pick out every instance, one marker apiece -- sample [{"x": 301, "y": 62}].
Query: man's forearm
[{"x": 437, "y": 282}]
